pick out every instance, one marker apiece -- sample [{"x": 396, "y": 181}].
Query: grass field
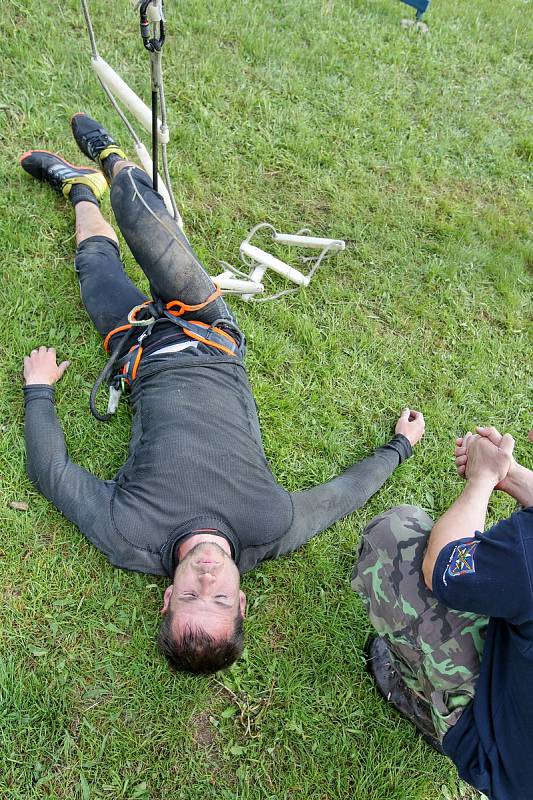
[{"x": 415, "y": 149}]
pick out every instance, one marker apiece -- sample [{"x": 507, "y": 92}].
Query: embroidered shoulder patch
[{"x": 462, "y": 559}]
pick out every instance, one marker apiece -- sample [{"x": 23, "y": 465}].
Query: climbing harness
[{"x": 123, "y": 365}]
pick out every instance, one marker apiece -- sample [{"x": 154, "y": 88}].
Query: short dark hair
[{"x": 194, "y": 650}]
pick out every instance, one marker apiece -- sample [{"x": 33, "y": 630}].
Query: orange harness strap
[
  {"x": 183, "y": 307},
  {"x": 112, "y": 333},
  {"x": 136, "y": 363},
  {"x": 210, "y": 342}
]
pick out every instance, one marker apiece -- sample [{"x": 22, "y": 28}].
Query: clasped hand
[{"x": 485, "y": 455}]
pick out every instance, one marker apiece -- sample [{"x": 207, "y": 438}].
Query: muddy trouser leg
[
  {"x": 160, "y": 248},
  {"x": 436, "y": 650},
  {"x": 107, "y": 292}
]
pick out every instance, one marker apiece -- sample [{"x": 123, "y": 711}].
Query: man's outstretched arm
[
  {"x": 75, "y": 492},
  {"x": 317, "y": 508}
]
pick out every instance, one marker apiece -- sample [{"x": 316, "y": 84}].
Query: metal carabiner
[
  {"x": 152, "y": 44},
  {"x": 132, "y": 316}
]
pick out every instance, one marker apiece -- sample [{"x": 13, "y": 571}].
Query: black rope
[
  {"x": 155, "y": 139},
  {"x": 104, "y": 376},
  {"x": 153, "y": 45},
  {"x": 107, "y": 373}
]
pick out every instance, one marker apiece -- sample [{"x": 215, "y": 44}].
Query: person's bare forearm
[
  {"x": 463, "y": 518},
  {"x": 519, "y": 484}
]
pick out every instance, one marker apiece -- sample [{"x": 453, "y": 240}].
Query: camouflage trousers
[{"x": 436, "y": 650}]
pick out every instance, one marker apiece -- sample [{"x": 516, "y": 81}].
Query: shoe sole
[
  {"x": 77, "y": 114},
  {"x": 87, "y": 170}
]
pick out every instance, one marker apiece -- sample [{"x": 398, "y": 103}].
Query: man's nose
[{"x": 207, "y": 577}]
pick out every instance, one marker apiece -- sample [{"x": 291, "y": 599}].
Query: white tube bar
[
  {"x": 267, "y": 260},
  {"x": 127, "y": 96},
  {"x": 256, "y": 276},
  {"x": 257, "y": 273},
  {"x": 144, "y": 157},
  {"x": 226, "y": 281},
  {"x": 309, "y": 241}
]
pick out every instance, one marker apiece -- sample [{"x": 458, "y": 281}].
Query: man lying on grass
[
  {"x": 464, "y": 677},
  {"x": 196, "y": 500}
]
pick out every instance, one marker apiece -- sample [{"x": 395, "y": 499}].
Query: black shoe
[
  {"x": 60, "y": 174},
  {"x": 392, "y": 687},
  {"x": 93, "y": 139}
]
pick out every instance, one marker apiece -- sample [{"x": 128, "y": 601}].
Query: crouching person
[{"x": 453, "y": 609}]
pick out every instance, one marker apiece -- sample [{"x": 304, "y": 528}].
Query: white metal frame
[
  {"x": 258, "y": 261},
  {"x": 118, "y": 90}
]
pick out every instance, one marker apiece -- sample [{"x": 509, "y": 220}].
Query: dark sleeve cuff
[
  {"x": 38, "y": 391},
  {"x": 402, "y": 445}
]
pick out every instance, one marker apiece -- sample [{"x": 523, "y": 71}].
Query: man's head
[{"x": 204, "y": 608}]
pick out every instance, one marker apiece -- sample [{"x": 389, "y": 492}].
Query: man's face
[{"x": 205, "y": 593}]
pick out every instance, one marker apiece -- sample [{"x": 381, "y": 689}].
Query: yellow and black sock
[
  {"x": 80, "y": 193},
  {"x": 108, "y": 162}
]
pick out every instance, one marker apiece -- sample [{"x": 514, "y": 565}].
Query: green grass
[{"x": 417, "y": 150}]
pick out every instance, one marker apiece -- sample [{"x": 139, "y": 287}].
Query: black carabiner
[{"x": 153, "y": 45}]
